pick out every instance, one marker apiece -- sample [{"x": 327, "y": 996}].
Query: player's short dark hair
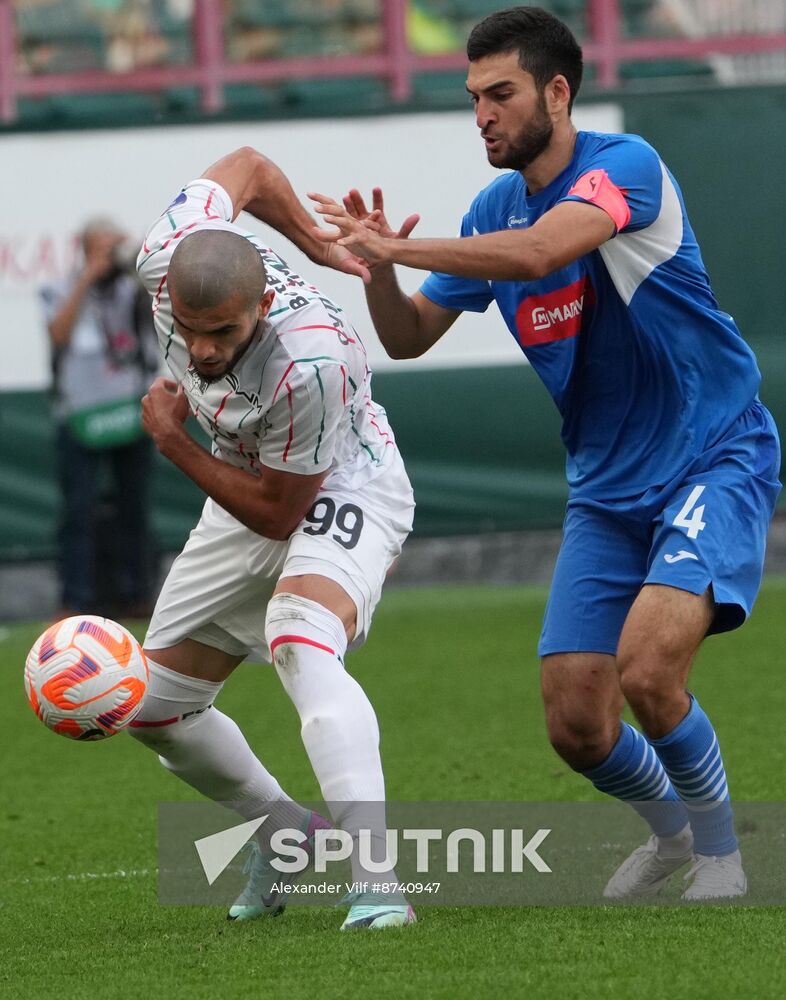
[
  {"x": 546, "y": 46},
  {"x": 209, "y": 265}
]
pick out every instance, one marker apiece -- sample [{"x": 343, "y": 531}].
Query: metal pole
[
  {"x": 394, "y": 27},
  {"x": 604, "y": 26},
  {"x": 8, "y": 111},
  {"x": 208, "y": 35}
]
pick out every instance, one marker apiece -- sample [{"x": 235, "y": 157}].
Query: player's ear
[
  {"x": 557, "y": 94},
  {"x": 266, "y": 302}
]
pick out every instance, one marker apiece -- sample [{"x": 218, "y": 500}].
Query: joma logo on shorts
[
  {"x": 543, "y": 318},
  {"x": 557, "y": 315}
]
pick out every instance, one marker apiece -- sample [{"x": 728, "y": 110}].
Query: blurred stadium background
[{"x": 109, "y": 106}]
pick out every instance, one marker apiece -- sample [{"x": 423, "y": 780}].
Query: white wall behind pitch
[{"x": 428, "y": 163}]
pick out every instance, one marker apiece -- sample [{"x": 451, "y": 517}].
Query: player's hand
[
  {"x": 164, "y": 411},
  {"x": 362, "y": 239},
  {"x": 340, "y": 259},
  {"x": 356, "y": 207}
]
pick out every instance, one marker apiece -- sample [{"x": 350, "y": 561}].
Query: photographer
[{"x": 104, "y": 356}]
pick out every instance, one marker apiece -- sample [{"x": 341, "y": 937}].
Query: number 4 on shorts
[{"x": 694, "y": 522}]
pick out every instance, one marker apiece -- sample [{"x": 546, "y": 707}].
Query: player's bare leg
[
  {"x": 207, "y": 750},
  {"x": 310, "y": 620},
  {"x": 583, "y": 702},
  {"x": 659, "y": 641},
  {"x": 662, "y": 633},
  {"x": 195, "y": 659}
]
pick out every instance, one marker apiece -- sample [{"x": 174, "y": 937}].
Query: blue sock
[
  {"x": 692, "y": 759},
  {"x": 632, "y": 772}
]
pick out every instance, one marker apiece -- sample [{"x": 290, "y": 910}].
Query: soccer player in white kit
[{"x": 308, "y": 506}]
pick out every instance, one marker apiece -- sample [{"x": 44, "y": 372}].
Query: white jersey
[{"x": 299, "y": 400}]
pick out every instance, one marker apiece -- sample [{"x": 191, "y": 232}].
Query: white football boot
[
  {"x": 258, "y": 899},
  {"x": 716, "y": 877},
  {"x": 647, "y": 869},
  {"x": 367, "y": 912}
]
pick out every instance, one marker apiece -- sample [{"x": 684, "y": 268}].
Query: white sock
[
  {"x": 338, "y": 724},
  {"x": 207, "y": 750},
  {"x": 677, "y": 845}
]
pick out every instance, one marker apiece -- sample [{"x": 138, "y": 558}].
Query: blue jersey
[{"x": 645, "y": 369}]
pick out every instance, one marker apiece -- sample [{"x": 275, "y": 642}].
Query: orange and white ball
[{"x": 86, "y": 677}]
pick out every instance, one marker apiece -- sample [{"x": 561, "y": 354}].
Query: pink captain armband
[{"x": 597, "y": 188}]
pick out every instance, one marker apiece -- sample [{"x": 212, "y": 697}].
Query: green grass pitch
[{"x": 454, "y": 678}]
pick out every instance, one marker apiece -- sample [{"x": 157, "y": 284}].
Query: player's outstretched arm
[
  {"x": 256, "y": 185},
  {"x": 565, "y": 233},
  {"x": 272, "y": 504},
  {"x": 407, "y": 326}
]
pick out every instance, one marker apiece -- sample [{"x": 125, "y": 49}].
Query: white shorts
[{"x": 218, "y": 587}]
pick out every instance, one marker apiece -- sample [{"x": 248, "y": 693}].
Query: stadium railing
[{"x": 50, "y": 47}]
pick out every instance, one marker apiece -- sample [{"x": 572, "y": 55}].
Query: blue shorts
[{"x": 707, "y": 528}]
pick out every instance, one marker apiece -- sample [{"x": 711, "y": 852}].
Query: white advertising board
[{"x": 433, "y": 164}]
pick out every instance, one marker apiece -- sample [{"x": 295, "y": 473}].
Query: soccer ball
[{"x": 86, "y": 677}]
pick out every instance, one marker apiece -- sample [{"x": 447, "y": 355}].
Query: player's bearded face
[
  {"x": 221, "y": 355},
  {"x": 217, "y": 338},
  {"x": 511, "y": 111},
  {"x": 525, "y": 146}
]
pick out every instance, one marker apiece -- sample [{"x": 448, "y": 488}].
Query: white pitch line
[{"x": 85, "y": 876}]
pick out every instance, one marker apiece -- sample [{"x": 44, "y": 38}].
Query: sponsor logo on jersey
[
  {"x": 196, "y": 383},
  {"x": 544, "y": 319},
  {"x": 181, "y": 199},
  {"x": 679, "y": 556},
  {"x": 516, "y": 220},
  {"x": 557, "y": 315}
]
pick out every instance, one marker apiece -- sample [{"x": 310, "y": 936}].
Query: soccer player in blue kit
[{"x": 672, "y": 461}]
